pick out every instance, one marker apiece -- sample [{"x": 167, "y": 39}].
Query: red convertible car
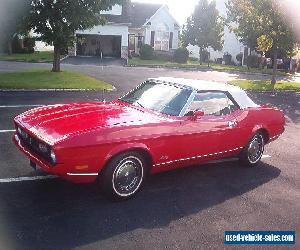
[{"x": 163, "y": 124}]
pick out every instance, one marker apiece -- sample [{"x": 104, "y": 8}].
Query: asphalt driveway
[
  {"x": 125, "y": 78},
  {"x": 183, "y": 209}
]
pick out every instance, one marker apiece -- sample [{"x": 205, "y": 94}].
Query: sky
[{"x": 182, "y": 9}]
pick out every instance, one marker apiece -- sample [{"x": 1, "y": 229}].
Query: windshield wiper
[
  {"x": 139, "y": 104},
  {"x": 135, "y": 101}
]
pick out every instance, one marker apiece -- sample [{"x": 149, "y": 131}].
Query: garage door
[{"x": 97, "y": 45}]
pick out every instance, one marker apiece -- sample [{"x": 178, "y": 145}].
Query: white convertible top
[{"x": 237, "y": 93}]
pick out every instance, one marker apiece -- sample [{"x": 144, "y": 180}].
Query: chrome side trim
[
  {"x": 197, "y": 157},
  {"x": 82, "y": 174}
]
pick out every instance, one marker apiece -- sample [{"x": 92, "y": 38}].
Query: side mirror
[{"x": 197, "y": 114}]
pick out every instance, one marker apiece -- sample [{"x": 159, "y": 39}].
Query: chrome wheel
[
  {"x": 128, "y": 176},
  {"x": 255, "y": 149}
]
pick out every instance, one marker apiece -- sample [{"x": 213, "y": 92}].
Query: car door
[{"x": 214, "y": 134}]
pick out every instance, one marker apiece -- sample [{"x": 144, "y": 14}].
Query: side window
[{"x": 212, "y": 103}]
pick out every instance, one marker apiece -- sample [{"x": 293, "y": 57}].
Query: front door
[{"x": 216, "y": 133}]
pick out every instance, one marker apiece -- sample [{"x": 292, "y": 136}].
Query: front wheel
[
  {"x": 252, "y": 153},
  {"x": 123, "y": 176}
]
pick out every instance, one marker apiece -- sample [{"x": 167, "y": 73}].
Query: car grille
[{"x": 33, "y": 145}]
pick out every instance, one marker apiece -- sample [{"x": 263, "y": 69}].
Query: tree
[
  {"x": 263, "y": 21},
  {"x": 205, "y": 28},
  {"x": 56, "y": 21},
  {"x": 12, "y": 14},
  {"x": 240, "y": 21}
]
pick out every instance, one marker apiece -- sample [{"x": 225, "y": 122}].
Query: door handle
[{"x": 232, "y": 124}]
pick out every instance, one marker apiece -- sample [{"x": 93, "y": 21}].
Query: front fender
[
  {"x": 256, "y": 128},
  {"x": 266, "y": 132},
  {"x": 127, "y": 147}
]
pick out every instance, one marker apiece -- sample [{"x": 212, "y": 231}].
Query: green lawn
[
  {"x": 44, "y": 79},
  {"x": 43, "y": 56},
  {"x": 195, "y": 64},
  {"x": 265, "y": 85},
  {"x": 162, "y": 62}
]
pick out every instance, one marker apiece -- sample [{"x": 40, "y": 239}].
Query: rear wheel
[
  {"x": 123, "y": 176},
  {"x": 252, "y": 153}
]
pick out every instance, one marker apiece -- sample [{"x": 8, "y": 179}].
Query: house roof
[
  {"x": 140, "y": 12},
  {"x": 135, "y": 13},
  {"x": 117, "y": 18}
]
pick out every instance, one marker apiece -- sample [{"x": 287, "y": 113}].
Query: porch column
[
  {"x": 124, "y": 44},
  {"x": 124, "y": 52}
]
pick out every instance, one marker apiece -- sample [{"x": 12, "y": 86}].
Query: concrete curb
[
  {"x": 57, "y": 90},
  {"x": 22, "y": 61},
  {"x": 273, "y": 91},
  {"x": 33, "y": 61}
]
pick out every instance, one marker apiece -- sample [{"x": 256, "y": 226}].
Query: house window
[{"x": 162, "y": 38}]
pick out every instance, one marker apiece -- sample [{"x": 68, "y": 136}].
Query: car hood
[{"x": 58, "y": 122}]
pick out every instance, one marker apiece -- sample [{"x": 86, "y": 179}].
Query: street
[{"x": 182, "y": 209}]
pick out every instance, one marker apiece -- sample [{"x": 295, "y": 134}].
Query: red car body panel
[{"x": 85, "y": 136}]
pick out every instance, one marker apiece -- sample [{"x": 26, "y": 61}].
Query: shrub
[
  {"x": 24, "y": 51},
  {"x": 239, "y": 57},
  {"x": 163, "y": 55},
  {"x": 146, "y": 52},
  {"x": 219, "y": 60},
  {"x": 253, "y": 61},
  {"x": 17, "y": 45},
  {"x": 29, "y": 43},
  {"x": 194, "y": 59},
  {"x": 227, "y": 58},
  {"x": 23, "y": 46},
  {"x": 181, "y": 55}
]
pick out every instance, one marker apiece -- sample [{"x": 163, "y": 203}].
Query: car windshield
[{"x": 160, "y": 97}]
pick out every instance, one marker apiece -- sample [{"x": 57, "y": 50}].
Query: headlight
[
  {"x": 53, "y": 157},
  {"x": 22, "y": 133}
]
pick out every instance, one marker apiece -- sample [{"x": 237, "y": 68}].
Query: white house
[
  {"x": 232, "y": 44},
  {"x": 128, "y": 27}
]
